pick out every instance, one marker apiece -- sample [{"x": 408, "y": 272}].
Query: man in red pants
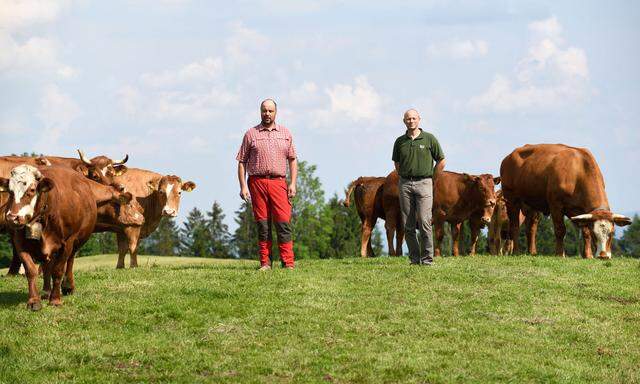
[{"x": 264, "y": 154}]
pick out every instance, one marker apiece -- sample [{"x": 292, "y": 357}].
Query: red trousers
[{"x": 270, "y": 202}]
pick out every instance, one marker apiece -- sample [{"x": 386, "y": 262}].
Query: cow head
[
  {"x": 101, "y": 168},
  {"x": 484, "y": 188},
  {"x": 170, "y": 188},
  {"x": 601, "y": 223},
  {"x": 25, "y": 186}
]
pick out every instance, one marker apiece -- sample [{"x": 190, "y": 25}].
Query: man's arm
[
  {"x": 244, "y": 191},
  {"x": 293, "y": 168},
  {"x": 397, "y": 166}
]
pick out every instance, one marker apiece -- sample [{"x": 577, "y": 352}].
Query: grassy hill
[{"x": 467, "y": 319}]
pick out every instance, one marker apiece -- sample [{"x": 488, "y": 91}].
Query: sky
[{"x": 176, "y": 83}]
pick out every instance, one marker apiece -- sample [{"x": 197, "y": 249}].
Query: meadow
[{"x": 468, "y": 319}]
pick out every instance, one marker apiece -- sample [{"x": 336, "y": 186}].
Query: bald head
[
  {"x": 411, "y": 119},
  {"x": 268, "y": 109}
]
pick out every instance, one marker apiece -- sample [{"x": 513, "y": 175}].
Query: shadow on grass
[
  {"x": 244, "y": 266},
  {"x": 10, "y": 299}
]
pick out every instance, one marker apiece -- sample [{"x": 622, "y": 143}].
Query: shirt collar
[
  {"x": 260, "y": 127},
  {"x": 420, "y": 135}
]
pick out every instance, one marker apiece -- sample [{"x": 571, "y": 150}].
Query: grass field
[{"x": 468, "y": 319}]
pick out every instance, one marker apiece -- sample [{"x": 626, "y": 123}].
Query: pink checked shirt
[{"x": 266, "y": 152}]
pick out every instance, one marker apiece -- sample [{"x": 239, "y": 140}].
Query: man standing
[
  {"x": 264, "y": 154},
  {"x": 413, "y": 155}
]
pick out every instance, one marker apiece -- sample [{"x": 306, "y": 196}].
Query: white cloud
[
  {"x": 57, "y": 112},
  {"x": 21, "y": 13},
  {"x": 29, "y": 54},
  {"x": 359, "y": 101},
  {"x": 245, "y": 43},
  {"x": 458, "y": 49},
  {"x": 203, "y": 71},
  {"x": 550, "y": 76}
]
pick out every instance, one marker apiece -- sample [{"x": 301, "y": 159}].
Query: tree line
[{"x": 323, "y": 228}]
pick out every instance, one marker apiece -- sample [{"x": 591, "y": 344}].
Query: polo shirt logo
[{"x": 421, "y": 146}]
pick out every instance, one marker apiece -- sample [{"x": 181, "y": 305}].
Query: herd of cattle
[
  {"x": 51, "y": 205},
  {"x": 543, "y": 179}
]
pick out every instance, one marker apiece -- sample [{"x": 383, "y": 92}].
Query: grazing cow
[
  {"x": 498, "y": 236},
  {"x": 66, "y": 203},
  {"x": 157, "y": 196},
  {"x": 367, "y": 193},
  {"x": 100, "y": 168},
  {"x": 459, "y": 197},
  {"x": 560, "y": 180}
]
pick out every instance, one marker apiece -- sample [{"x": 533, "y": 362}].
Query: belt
[
  {"x": 416, "y": 178},
  {"x": 268, "y": 176}
]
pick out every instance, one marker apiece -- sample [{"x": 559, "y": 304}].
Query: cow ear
[
  {"x": 41, "y": 160},
  {"x": 83, "y": 169},
  {"x": 152, "y": 185},
  {"x": 188, "y": 186},
  {"x": 585, "y": 219},
  {"x": 125, "y": 198},
  {"x": 45, "y": 185},
  {"x": 120, "y": 170},
  {"x": 4, "y": 184},
  {"x": 496, "y": 180},
  {"x": 621, "y": 220}
]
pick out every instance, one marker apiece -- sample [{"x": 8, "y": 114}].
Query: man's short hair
[
  {"x": 271, "y": 100},
  {"x": 409, "y": 110}
]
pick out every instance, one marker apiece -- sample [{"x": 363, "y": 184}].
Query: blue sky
[{"x": 176, "y": 83}]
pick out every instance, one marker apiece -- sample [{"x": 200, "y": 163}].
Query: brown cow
[
  {"x": 560, "y": 180},
  {"x": 499, "y": 237},
  {"x": 66, "y": 203},
  {"x": 392, "y": 215},
  {"x": 157, "y": 196},
  {"x": 367, "y": 193},
  {"x": 458, "y": 197},
  {"x": 100, "y": 168}
]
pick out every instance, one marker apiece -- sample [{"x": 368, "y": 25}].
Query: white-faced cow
[{"x": 560, "y": 180}]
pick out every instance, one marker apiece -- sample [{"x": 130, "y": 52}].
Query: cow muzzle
[
  {"x": 485, "y": 221},
  {"x": 17, "y": 220},
  {"x": 170, "y": 212}
]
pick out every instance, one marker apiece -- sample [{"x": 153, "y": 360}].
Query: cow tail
[{"x": 348, "y": 191}]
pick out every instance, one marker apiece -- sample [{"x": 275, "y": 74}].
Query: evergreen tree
[
  {"x": 630, "y": 241},
  {"x": 245, "y": 238},
  {"x": 219, "y": 236},
  {"x": 99, "y": 244},
  {"x": 376, "y": 242},
  {"x": 344, "y": 239},
  {"x": 165, "y": 240},
  {"x": 310, "y": 221},
  {"x": 194, "y": 236}
]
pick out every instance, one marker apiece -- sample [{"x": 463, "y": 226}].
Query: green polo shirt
[{"x": 416, "y": 156}]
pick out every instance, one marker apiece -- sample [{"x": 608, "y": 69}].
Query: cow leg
[
  {"x": 58, "y": 266},
  {"x": 365, "y": 238},
  {"x": 438, "y": 227},
  {"x": 389, "y": 227},
  {"x": 587, "y": 252},
  {"x": 474, "y": 223},
  {"x": 14, "y": 267},
  {"x": 513, "y": 211},
  {"x": 133, "y": 236},
  {"x": 46, "y": 277},
  {"x": 69, "y": 284},
  {"x": 560, "y": 230},
  {"x": 123, "y": 248},
  {"x": 399, "y": 234},
  {"x": 455, "y": 237},
  {"x": 31, "y": 271},
  {"x": 531, "y": 221}
]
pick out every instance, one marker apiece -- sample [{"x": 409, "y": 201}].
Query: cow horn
[
  {"x": 619, "y": 216},
  {"x": 83, "y": 158},
  {"x": 120, "y": 162},
  {"x": 586, "y": 216}
]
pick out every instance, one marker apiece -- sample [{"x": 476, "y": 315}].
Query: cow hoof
[
  {"x": 55, "y": 303},
  {"x": 34, "y": 306},
  {"x": 119, "y": 266},
  {"x": 67, "y": 290}
]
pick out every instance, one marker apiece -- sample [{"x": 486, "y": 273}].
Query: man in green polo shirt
[{"x": 414, "y": 154}]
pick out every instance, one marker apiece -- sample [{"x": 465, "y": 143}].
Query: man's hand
[
  {"x": 244, "y": 194},
  {"x": 291, "y": 191}
]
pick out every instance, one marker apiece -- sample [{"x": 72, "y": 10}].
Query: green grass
[{"x": 467, "y": 319}]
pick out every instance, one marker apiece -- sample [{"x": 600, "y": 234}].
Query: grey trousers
[{"x": 416, "y": 200}]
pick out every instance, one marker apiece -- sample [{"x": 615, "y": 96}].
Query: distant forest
[{"x": 323, "y": 228}]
